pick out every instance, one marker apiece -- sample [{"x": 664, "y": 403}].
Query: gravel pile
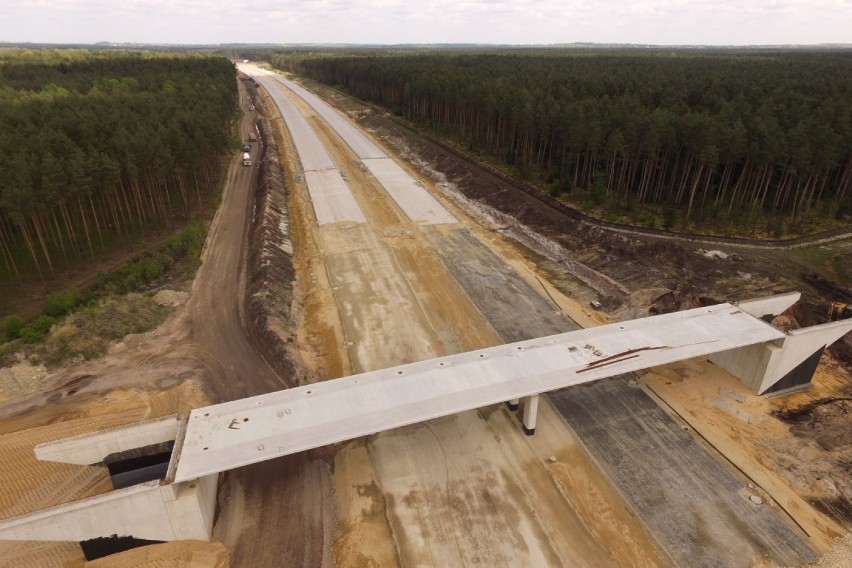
[
  {"x": 171, "y": 298},
  {"x": 21, "y": 378},
  {"x": 840, "y": 556}
]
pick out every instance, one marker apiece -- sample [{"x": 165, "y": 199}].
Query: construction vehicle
[
  {"x": 252, "y": 137},
  {"x": 839, "y": 311}
]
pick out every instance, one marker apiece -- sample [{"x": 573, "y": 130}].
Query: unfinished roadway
[{"x": 404, "y": 278}]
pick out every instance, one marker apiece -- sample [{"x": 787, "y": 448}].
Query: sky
[{"x": 521, "y": 22}]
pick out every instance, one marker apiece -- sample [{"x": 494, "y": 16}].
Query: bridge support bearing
[
  {"x": 513, "y": 404},
  {"x": 530, "y": 414}
]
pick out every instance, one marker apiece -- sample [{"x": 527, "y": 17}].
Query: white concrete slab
[
  {"x": 360, "y": 144},
  {"x": 312, "y": 152},
  {"x": 415, "y": 201},
  {"x": 241, "y": 432},
  {"x": 331, "y": 198}
]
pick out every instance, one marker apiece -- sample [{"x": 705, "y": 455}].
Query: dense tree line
[
  {"x": 741, "y": 140},
  {"x": 97, "y": 146}
]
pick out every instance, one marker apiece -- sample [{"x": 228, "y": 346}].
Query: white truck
[{"x": 246, "y": 159}]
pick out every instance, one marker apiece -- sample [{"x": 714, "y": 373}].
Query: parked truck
[{"x": 246, "y": 159}]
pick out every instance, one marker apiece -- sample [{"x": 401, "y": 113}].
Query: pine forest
[
  {"x": 104, "y": 145},
  {"x": 752, "y": 142}
]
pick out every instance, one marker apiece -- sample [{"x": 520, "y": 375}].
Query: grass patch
[
  {"x": 79, "y": 325},
  {"x": 60, "y": 304},
  {"x": 141, "y": 271},
  {"x": 87, "y": 333},
  {"x": 12, "y": 327}
]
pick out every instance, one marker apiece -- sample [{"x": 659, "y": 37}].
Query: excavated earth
[{"x": 467, "y": 489}]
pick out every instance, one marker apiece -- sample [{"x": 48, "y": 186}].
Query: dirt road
[{"x": 236, "y": 369}]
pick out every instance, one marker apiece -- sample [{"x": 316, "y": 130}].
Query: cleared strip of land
[{"x": 427, "y": 488}]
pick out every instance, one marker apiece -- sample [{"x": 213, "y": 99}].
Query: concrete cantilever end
[
  {"x": 92, "y": 448},
  {"x": 768, "y": 308},
  {"x": 785, "y": 364},
  {"x": 793, "y": 365}
]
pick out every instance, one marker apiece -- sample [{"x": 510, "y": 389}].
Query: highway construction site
[{"x": 680, "y": 465}]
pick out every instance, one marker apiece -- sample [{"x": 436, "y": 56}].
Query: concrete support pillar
[
  {"x": 530, "y": 414},
  {"x": 513, "y": 404}
]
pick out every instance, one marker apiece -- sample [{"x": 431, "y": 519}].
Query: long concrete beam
[{"x": 241, "y": 432}]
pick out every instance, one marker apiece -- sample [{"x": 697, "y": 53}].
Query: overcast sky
[{"x": 671, "y": 22}]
